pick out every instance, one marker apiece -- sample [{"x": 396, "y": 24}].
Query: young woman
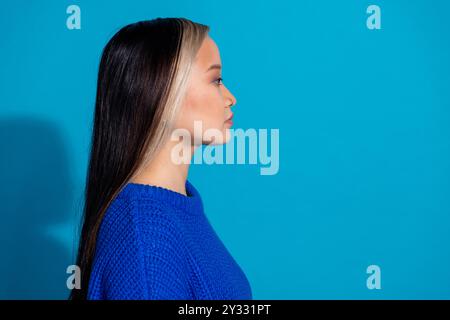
[{"x": 145, "y": 234}]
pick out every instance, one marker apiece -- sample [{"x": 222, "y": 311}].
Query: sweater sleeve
[{"x": 145, "y": 257}]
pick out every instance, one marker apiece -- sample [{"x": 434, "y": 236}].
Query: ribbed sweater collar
[{"x": 192, "y": 203}]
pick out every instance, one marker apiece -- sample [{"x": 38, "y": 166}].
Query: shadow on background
[{"x": 36, "y": 194}]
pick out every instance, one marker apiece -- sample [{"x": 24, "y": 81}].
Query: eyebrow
[{"x": 214, "y": 66}]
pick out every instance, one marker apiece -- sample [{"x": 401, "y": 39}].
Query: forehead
[{"x": 208, "y": 54}]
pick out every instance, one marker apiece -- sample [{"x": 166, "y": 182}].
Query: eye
[{"x": 218, "y": 81}]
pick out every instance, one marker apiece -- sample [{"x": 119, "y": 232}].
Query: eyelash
[{"x": 219, "y": 79}]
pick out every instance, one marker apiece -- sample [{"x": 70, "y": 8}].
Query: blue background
[{"x": 364, "y": 142}]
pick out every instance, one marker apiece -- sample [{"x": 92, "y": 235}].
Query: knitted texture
[{"x": 155, "y": 243}]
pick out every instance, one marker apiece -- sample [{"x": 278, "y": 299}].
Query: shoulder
[
  {"x": 141, "y": 221},
  {"x": 140, "y": 251},
  {"x": 145, "y": 232}
]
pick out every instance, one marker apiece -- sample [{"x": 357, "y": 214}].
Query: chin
[
  {"x": 219, "y": 139},
  {"x": 227, "y": 135}
]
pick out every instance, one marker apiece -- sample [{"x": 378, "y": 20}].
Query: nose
[{"x": 229, "y": 97}]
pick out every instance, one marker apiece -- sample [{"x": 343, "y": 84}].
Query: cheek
[{"x": 206, "y": 106}]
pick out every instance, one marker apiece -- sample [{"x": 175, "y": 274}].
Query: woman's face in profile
[{"x": 207, "y": 99}]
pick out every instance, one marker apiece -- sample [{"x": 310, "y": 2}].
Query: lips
[{"x": 230, "y": 118}]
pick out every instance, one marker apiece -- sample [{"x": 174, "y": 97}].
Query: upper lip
[{"x": 231, "y": 117}]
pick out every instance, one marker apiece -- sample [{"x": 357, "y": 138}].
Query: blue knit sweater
[{"x": 155, "y": 243}]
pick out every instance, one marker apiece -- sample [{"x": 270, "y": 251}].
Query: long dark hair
[{"x": 142, "y": 77}]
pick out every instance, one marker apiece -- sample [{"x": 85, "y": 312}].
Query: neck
[{"x": 162, "y": 171}]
